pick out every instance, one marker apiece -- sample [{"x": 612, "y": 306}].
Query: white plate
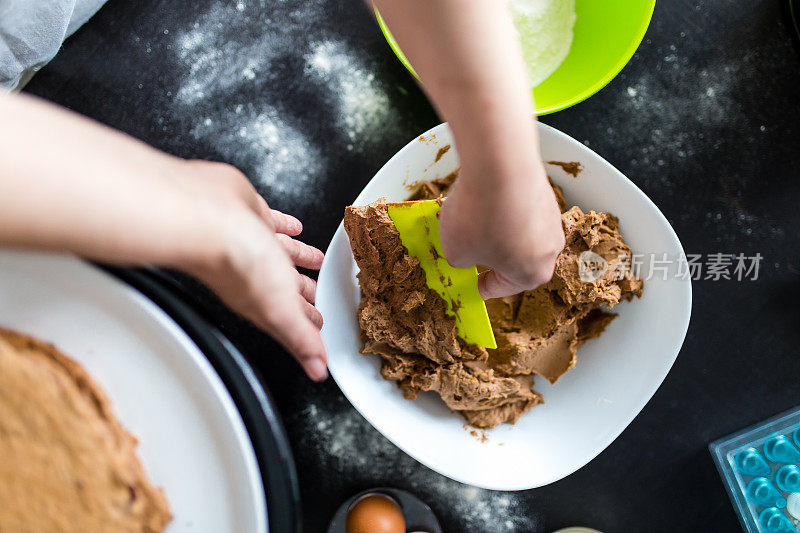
[
  {"x": 588, "y": 408},
  {"x": 192, "y": 440}
]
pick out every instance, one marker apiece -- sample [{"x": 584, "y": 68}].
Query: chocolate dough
[
  {"x": 66, "y": 463},
  {"x": 397, "y": 307},
  {"x": 537, "y": 332}
]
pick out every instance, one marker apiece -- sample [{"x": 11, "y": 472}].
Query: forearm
[
  {"x": 70, "y": 184},
  {"x": 468, "y": 57}
]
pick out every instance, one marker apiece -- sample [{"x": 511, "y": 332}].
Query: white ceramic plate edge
[
  {"x": 219, "y": 390},
  {"x": 125, "y": 300}
]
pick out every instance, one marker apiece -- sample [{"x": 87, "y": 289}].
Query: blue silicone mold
[{"x": 760, "y": 466}]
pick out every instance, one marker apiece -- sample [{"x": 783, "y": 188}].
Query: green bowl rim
[{"x": 580, "y": 97}]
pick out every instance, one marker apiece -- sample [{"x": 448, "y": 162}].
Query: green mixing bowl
[{"x": 606, "y": 34}]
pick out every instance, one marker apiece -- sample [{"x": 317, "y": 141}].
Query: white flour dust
[
  {"x": 236, "y": 62},
  {"x": 342, "y": 441},
  {"x": 677, "y": 115},
  {"x": 659, "y": 105},
  {"x": 222, "y": 56},
  {"x": 282, "y": 158},
  {"x": 362, "y": 104},
  {"x": 223, "y": 52}
]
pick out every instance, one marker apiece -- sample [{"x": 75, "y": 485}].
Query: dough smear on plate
[
  {"x": 538, "y": 332},
  {"x": 66, "y": 463}
]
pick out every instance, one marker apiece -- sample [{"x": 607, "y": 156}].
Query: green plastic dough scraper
[{"x": 418, "y": 225}]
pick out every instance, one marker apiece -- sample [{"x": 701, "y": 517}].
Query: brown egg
[{"x": 375, "y": 513}]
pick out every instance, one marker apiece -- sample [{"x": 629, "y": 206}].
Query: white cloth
[{"x": 31, "y": 32}]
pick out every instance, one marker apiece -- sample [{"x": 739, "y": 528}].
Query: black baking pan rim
[{"x": 252, "y": 399}]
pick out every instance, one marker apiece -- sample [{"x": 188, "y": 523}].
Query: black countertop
[{"x": 307, "y": 98}]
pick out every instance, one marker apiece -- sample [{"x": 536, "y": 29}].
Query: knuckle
[
  {"x": 306, "y": 253},
  {"x": 533, "y": 271},
  {"x": 456, "y": 254},
  {"x": 230, "y": 172},
  {"x": 285, "y": 242},
  {"x": 228, "y": 183},
  {"x": 541, "y": 273},
  {"x": 233, "y": 180}
]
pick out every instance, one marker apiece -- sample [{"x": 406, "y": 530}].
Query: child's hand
[
  {"x": 502, "y": 212},
  {"x": 250, "y": 261},
  {"x": 68, "y": 184},
  {"x": 517, "y": 233}
]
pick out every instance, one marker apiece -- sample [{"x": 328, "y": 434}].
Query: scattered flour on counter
[
  {"x": 659, "y": 105},
  {"x": 667, "y": 109},
  {"x": 257, "y": 138},
  {"x": 215, "y": 61},
  {"x": 222, "y": 50},
  {"x": 677, "y": 114},
  {"x": 342, "y": 441},
  {"x": 230, "y": 50},
  {"x": 250, "y": 48},
  {"x": 363, "y": 106}
]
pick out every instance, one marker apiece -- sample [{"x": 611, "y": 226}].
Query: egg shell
[{"x": 375, "y": 513}]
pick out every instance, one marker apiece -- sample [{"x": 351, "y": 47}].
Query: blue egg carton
[{"x": 760, "y": 467}]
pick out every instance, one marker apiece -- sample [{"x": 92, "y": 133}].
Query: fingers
[
  {"x": 313, "y": 314},
  {"x": 287, "y": 314},
  {"x": 302, "y": 338},
  {"x": 295, "y": 324},
  {"x": 286, "y": 224},
  {"x": 256, "y": 275},
  {"x": 280, "y": 222},
  {"x": 301, "y": 254},
  {"x": 308, "y": 289},
  {"x": 492, "y": 284}
]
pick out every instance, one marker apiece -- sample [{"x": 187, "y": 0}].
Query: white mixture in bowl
[{"x": 545, "y": 29}]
